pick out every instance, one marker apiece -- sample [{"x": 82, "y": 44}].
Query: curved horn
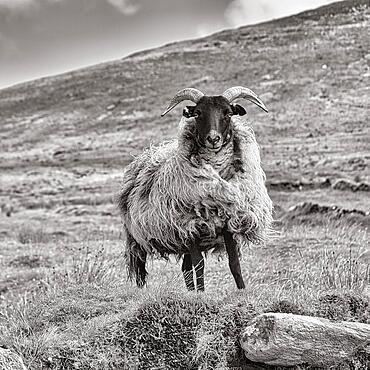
[
  {"x": 245, "y": 93},
  {"x": 185, "y": 94}
]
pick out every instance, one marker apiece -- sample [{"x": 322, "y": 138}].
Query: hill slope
[{"x": 66, "y": 139}]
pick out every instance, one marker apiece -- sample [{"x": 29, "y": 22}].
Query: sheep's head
[{"x": 213, "y": 114}]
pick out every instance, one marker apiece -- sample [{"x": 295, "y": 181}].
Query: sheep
[{"x": 204, "y": 191}]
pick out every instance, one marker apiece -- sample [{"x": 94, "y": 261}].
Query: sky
[{"x": 46, "y": 37}]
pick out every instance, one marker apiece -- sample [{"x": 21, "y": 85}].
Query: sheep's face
[{"x": 213, "y": 120}]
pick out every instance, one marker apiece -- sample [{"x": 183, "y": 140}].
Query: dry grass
[
  {"x": 92, "y": 265},
  {"x": 87, "y": 316},
  {"x": 28, "y": 235}
]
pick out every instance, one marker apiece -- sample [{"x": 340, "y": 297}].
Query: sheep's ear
[
  {"x": 238, "y": 109},
  {"x": 188, "y": 111}
]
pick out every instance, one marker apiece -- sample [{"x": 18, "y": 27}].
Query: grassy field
[
  {"x": 79, "y": 312},
  {"x": 64, "y": 298}
]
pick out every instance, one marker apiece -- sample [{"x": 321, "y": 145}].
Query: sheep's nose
[{"x": 213, "y": 139}]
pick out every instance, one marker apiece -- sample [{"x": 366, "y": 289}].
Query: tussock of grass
[
  {"x": 94, "y": 265},
  {"x": 346, "y": 306},
  {"x": 68, "y": 327},
  {"x": 27, "y": 235},
  {"x": 9, "y": 360}
]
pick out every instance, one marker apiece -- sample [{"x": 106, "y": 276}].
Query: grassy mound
[
  {"x": 118, "y": 327},
  {"x": 95, "y": 327}
]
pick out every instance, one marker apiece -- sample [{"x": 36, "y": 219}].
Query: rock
[
  {"x": 362, "y": 186},
  {"x": 289, "y": 340},
  {"x": 309, "y": 208},
  {"x": 320, "y": 183},
  {"x": 7, "y": 209},
  {"x": 343, "y": 184}
]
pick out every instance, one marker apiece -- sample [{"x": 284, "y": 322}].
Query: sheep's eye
[
  {"x": 229, "y": 114},
  {"x": 196, "y": 114}
]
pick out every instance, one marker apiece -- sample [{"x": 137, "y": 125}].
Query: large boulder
[{"x": 289, "y": 340}]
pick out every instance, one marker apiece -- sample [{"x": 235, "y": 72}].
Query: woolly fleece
[{"x": 174, "y": 193}]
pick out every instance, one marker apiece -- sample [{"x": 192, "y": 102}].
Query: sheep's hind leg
[
  {"x": 234, "y": 263},
  {"x": 198, "y": 264},
  {"x": 140, "y": 269},
  {"x": 187, "y": 271},
  {"x": 135, "y": 259}
]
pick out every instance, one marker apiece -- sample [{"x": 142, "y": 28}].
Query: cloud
[
  {"x": 125, "y": 6},
  {"x": 241, "y": 12},
  {"x": 16, "y": 4}
]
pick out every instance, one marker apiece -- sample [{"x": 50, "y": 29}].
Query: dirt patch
[
  {"x": 302, "y": 185},
  {"x": 313, "y": 213},
  {"x": 30, "y": 261},
  {"x": 299, "y": 185},
  {"x": 344, "y": 184}
]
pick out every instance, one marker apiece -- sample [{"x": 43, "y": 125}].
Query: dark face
[{"x": 213, "y": 120}]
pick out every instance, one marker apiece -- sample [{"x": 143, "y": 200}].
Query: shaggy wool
[{"x": 179, "y": 192}]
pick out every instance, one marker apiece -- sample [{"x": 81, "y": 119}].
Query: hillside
[{"x": 65, "y": 141}]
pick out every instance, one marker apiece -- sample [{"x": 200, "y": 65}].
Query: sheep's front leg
[
  {"x": 198, "y": 264},
  {"x": 187, "y": 271},
  {"x": 234, "y": 263}
]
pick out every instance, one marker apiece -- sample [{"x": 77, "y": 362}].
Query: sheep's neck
[
  {"x": 226, "y": 162},
  {"x": 222, "y": 161}
]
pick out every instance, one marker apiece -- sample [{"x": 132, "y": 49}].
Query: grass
[
  {"x": 28, "y": 235},
  {"x": 87, "y": 316},
  {"x": 91, "y": 265}
]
